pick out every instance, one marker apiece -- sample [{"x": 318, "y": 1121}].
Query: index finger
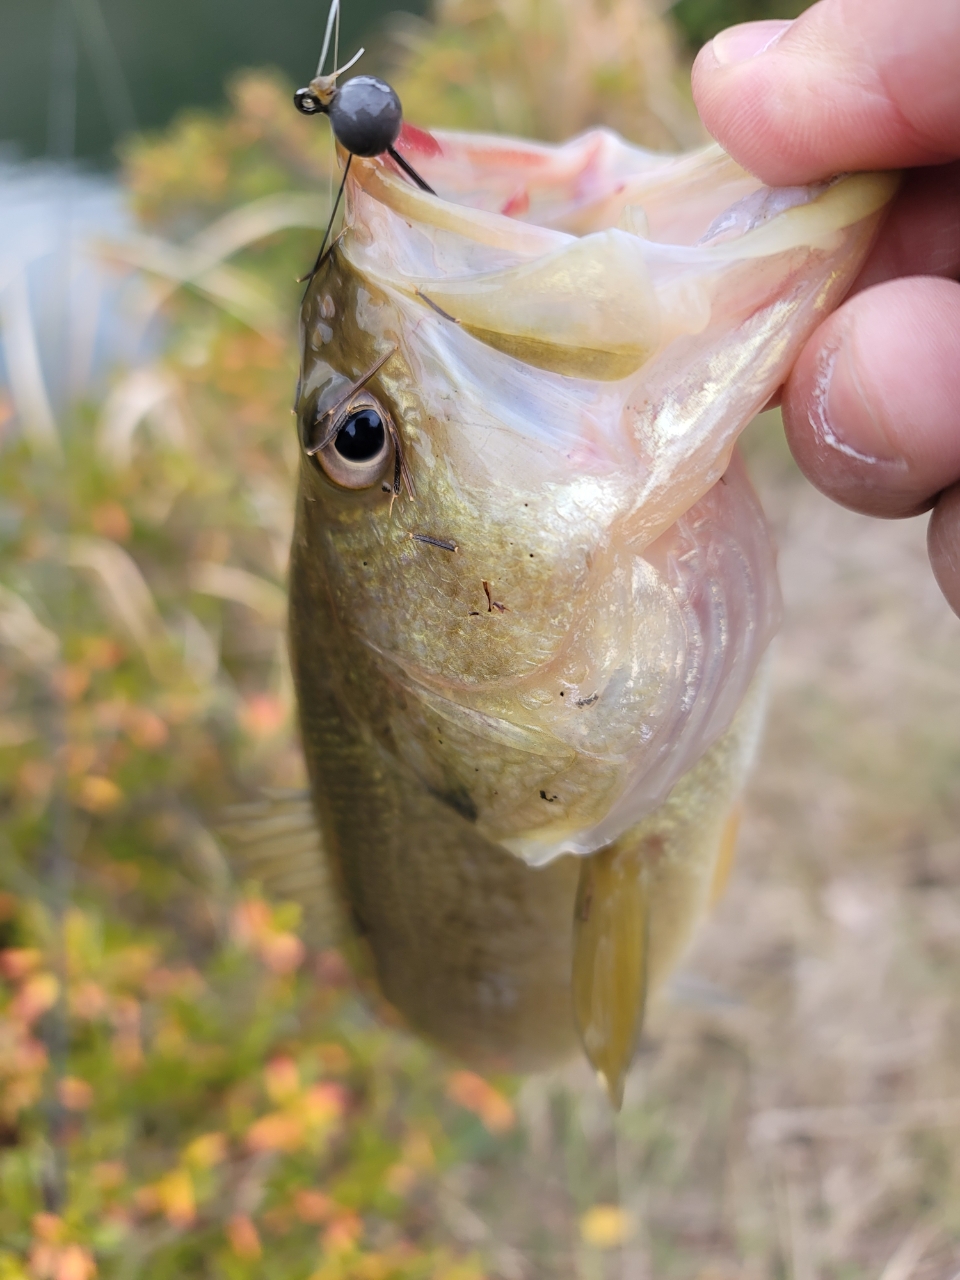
[{"x": 850, "y": 84}]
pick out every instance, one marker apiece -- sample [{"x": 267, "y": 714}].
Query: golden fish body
[{"x": 527, "y": 617}]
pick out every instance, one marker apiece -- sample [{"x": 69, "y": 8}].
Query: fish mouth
[{"x": 589, "y": 258}]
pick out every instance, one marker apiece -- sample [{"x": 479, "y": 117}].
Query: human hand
[{"x": 872, "y": 406}]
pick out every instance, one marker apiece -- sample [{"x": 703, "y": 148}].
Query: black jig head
[
  {"x": 366, "y": 118},
  {"x": 365, "y": 115}
]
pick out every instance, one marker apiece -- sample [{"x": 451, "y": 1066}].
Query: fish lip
[
  {"x": 598, "y": 301},
  {"x": 593, "y": 148}
]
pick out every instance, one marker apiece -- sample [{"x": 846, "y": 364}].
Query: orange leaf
[
  {"x": 251, "y": 921},
  {"x": 475, "y": 1094},
  {"x": 399, "y": 1179},
  {"x": 276, "y": 1132},
  {"x": 71, "y": 681},
  {"x": 183, "y": 982},
  {"x": 74, "y": 1094},
  {"x": 206, "y": 1151},
  {"x": 43, "y": 1260},
  {"x": 343, "y": 1233},
  {"x": 282, "y": 953},
  {"x": 111, "y": 521},
  {"x": 102, "y": 653},
  {"x": 147, "y": 1199},
  {"x": 313, "y": 1206},
  {"x": 282, "y": 1079},
  {"x": 35, "y": 778},
  {"x": 263, "y": 715},
  {"x": 87, "y": 1000},
  {"x": 334, "y": 1059},
  {"x": 243, "y": 1237},
  {"x": 146, "y": 729},
  {"x": 176, "y": 1198},
  {"x": 323, "y": 1103},
  {"x": 98, "y": 795},
  {"x": 47, "y": 1227},
  {"x": 109, "y": 1174},
  {"x": 35, "y": 997},
  {"x": 75, "y": 1263},
  {"x": 606, "y": 1226},
  {"x": 17, "y": 962}
]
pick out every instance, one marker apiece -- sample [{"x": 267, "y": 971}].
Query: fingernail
[
  {"x": 747, "y": 40},
  {"x": 842, "y": 413}
]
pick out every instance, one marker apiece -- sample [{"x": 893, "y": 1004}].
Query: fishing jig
[{"x": 366, "y": 118}]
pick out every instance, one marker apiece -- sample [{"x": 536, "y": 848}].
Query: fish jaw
[{"x": 567, "y": 614}]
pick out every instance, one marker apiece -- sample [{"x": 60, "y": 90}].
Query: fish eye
[
  {"x": 362, "y": 437},
  {"x": 359, "y": 446}
]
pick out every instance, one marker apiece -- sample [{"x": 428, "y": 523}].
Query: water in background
[{"x": 69, "y": 313}]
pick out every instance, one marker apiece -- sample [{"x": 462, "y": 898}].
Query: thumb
[{"x": 850, "y": 84}]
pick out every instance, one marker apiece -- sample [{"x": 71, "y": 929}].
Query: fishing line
[
  {"x": 56, "y": 861},
  {"x": 365, "y": 117},
  {"x": 333, "y": 17},
  {"x": 110, "y": 79},
  {"x": 326, "y": 235},
  {"x": 336, "y": 38},
  {"x": 62, "y": 102}
]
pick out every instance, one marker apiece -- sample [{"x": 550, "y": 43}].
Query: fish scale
[{"x": 531, "y": 595}]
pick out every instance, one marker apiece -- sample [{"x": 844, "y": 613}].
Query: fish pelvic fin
[{"x": 610, "y": 942}]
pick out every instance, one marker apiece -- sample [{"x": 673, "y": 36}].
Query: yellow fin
[{"x": 610, "y": 935}]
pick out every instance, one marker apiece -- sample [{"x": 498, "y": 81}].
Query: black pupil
[{"x": 361, "y": 437}]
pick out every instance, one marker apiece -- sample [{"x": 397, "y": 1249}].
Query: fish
[{"x": 531, "y": 589}]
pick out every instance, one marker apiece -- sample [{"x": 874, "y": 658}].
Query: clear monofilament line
[
  {"x": 336, "y": 37},
  {"x": 333, "y": 27},
  {"x": 326, "y": 234},
  {"x": 332, "y": 17},
  {"x": 347, "y": 65}
]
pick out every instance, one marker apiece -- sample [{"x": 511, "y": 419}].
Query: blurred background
[
  {"x": 136, "y": 65},
  {"x": 192, "y": 1080}
]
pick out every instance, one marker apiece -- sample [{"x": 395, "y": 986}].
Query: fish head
[{"x": 547, "y": 582}]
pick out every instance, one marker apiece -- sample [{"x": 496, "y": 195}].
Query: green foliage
[
  {"x": 548, "y": 70},
  {"x": 188, "y": 1086},
  {"x": 177, "y": 1116}
]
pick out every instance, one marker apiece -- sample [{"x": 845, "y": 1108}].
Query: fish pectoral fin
[
  {"x": 610, "y": 936},
  {"x": 275, "y": 842}
]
